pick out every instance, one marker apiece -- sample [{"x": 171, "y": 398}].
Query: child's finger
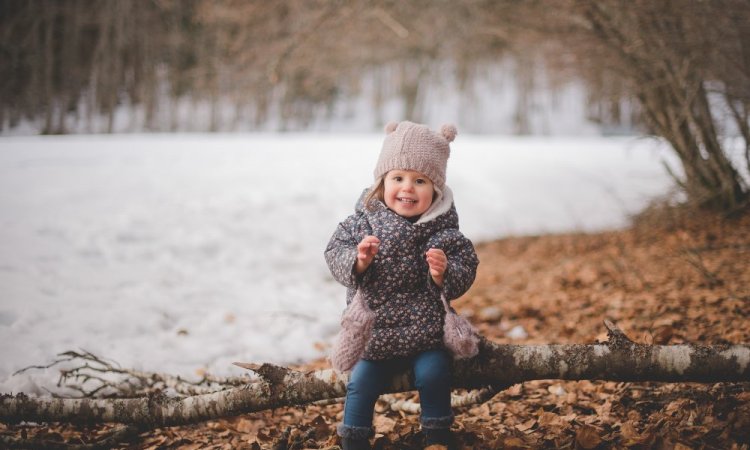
[
  {"x": 367, "y": 250},
  {"x": 369, "y": 245},
  {"x": 366, "y": 243},
  {"x": 436, "y": 263},
  {"x": 436, "y": 252},
  {"x": 436, "y": 258},
  {"x": 371, "y": 239}
]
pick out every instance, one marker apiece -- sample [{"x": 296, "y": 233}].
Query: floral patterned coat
[{"x": 397, "y": 286}]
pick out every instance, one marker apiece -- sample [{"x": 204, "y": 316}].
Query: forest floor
[{"x": 672, "y": 277}]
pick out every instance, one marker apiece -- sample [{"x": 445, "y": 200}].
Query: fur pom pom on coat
[{"x": 356, "y": 327}]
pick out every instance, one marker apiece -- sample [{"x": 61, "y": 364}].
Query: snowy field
[{"x": 183, "y": 253}]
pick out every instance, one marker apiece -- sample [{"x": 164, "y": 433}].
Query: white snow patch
[
  {"x": 557, "y": 390},
  {"x": 517, "y": 332},
  {"x": 741, "y": 355},
  {"x": 183, "y": 253},
  {"x": 675, "y": 358}
]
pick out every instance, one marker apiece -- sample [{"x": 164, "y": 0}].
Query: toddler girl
[{"x": 399, "y": 250}]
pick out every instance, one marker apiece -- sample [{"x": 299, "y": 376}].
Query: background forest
[
  {"x": 199, "y": 65},
  {"x": 677, "y": 69}
]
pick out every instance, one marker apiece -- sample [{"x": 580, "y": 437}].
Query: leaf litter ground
[{"x": 671, "y": 278}]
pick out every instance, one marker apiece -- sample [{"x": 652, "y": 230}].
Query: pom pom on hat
[
  {"x": 390, "y": 127},
  {"x": 449, "y": 132}
]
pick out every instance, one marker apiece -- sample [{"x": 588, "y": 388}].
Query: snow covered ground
[{"x": 181, "y": 253}]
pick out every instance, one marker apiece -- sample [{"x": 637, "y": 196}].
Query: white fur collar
[{"x": 441, "y": 205}]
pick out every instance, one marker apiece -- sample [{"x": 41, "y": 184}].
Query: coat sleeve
[
  {"x": 462, "y": 263},
  {"x": 341, "y": 252}
]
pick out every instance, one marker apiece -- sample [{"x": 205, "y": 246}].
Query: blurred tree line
[
  {"x": 679, "y": 68},
  {"x": 89, "y": 57}
]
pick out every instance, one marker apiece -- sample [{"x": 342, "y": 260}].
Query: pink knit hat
[{"x": 411, "y": 146}]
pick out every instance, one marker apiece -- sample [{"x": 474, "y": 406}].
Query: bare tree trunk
[
  {"x": 667, "y": 75},
  {"x": 496, "y": 365},
  {"x": 525, "y": 79},
  {"x": 48, "y": 26}
]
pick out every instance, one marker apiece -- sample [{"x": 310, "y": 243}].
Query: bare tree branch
[{"x": 497, "y": 366}]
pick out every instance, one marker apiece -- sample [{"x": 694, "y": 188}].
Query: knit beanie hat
[{"x": 411, "y": 146}]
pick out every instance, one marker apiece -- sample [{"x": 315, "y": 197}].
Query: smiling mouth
[{"x": 406, "y": 200}]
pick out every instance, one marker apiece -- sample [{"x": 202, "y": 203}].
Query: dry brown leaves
[{"x": 683, "y": 280}]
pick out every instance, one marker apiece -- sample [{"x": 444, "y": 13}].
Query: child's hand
[
  {"x": 366, "y": 251},
  {"x": 437, "y": 261}
]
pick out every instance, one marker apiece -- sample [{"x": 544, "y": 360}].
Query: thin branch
[
  {"x": 696, "y": 261},
  {"x": 120, "y": 433},
  {"x": 473, "y": 397},
  {"x": 95, "y": 377}
]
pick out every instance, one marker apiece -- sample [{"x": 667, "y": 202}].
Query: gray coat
[{"x": 397, "y": 286}]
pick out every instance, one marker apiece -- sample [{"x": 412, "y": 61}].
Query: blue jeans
[{"x": 432, "y": 378}]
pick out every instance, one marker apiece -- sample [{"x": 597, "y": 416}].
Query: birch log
[{"x": 497, "y": 365}]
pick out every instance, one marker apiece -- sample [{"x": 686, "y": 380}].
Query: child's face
[{"x": 407, "y": 193}]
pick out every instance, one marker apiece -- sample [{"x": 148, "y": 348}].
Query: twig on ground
[
  {"x": 473, "y": 397},
  {"x": 96, "y": 377},
  {"x": 120, "y": 433}
]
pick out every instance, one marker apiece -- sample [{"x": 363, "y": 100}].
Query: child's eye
[
  {"x": 421, "y": 181},
  {"x": 397, "y": 178}
]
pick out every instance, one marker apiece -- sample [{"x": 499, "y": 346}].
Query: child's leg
[
  {"x": 366, "y": 383},
  {"x": 432, "y": 377}
]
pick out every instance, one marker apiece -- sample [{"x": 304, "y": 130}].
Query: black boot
[
  {"x": 355, "y": 438},
  {"x": 439, "y": 436},
  {"x": 355, "y": 444}
]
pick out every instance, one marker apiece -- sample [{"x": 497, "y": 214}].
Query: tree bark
[{"x": 497, "y": 365}]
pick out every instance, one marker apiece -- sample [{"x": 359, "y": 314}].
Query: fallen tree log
[{"x": 497, "y": 365}]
